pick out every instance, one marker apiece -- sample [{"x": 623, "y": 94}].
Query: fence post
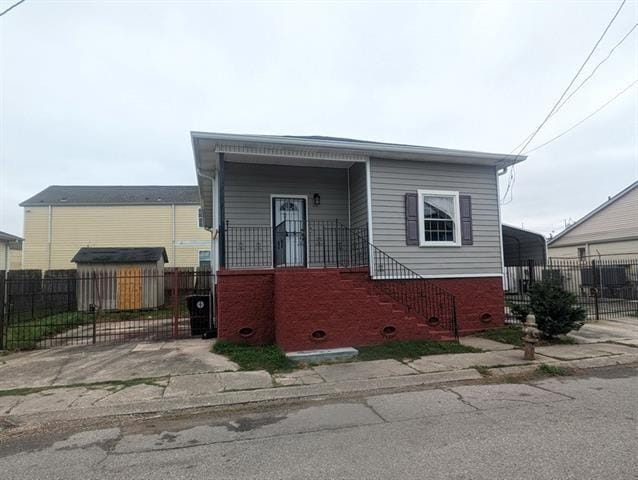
[
  {"x": 531, "y": 271},
  {"x": 595, "y": 280},
  {"x": 3, "y": 306},
  {"x": 336, "y": 242},
  {"x": 175, "y": 301},
  {"x": 97, "y": 306}
]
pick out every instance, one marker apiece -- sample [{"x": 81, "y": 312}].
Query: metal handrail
[{"x": 416, "y": 296}]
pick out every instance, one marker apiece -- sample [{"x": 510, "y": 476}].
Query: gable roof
[
  {"x": 115, "y": 195},
  {"x": 318, "y": 143},
  {"x": 601, "y": 207},
  {"x": 120, "y": 255}
]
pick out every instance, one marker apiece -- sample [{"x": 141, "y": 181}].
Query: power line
[
  {"x": 584, "y": 119},
  {"x": 596, "y": 67},
  {"x": 12, "y": 7},
  {"x": 560, "y": 99},
  {"x": 593, "y": 72}
]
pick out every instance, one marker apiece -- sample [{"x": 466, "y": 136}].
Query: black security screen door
[{"x": 289, "y": 231}]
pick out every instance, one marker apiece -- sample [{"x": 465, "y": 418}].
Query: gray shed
[{"x": 118, "y": 278}]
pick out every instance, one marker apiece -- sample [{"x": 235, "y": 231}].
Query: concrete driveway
[
  {"x": 90, "y": 364},
  {"x": 620, "y": 330}
]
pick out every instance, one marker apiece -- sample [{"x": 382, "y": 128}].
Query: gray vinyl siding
[
  {"x": 391, "y": 179},
  {"x": 358, "y": 196},
  {"x": 248, "y": 188}
]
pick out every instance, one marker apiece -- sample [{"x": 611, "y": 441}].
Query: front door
[{"x": 289, "y": 231}]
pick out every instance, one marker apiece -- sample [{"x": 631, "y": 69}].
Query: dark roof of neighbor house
[
  {"x": 120, "y": 255},
  {"x": 600, "y": 207},
  {"x": 114, "y": 195}
]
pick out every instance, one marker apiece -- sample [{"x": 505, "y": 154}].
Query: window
[
  {"x": 581, "y": 253},
  {"x": 200, "y": 218},
  {"x": 204, "y": 259},
  {"x": 439, "y": 223}
]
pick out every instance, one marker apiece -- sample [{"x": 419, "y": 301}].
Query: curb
[{"x": 292, "y": 393}]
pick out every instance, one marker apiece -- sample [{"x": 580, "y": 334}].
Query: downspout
[
  {"x": 49, "y": 239},
  {"x": 499, "y": 173},
  {"x": 212, "y": 321},
  {"x": 174, "y": 236}
]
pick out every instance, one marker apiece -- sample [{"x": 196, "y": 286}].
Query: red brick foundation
[
  {"x": 245, "y": 306},
  {"x": 304, "y": 309}
]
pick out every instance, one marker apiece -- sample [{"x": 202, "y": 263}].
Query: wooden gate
[{"x": 129, "y": 288}]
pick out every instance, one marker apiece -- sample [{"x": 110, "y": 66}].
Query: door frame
[{"x": 272, "y": 225}]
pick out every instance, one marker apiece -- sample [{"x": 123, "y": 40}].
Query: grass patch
[
  {"x": 272, "y": 359},
  {"x": 512, "y": 334},
  {"x": 268, "y": 357},
  {"x": 109, "y": 383},
  {"x": 483, "y": 370},
  {"x": 400, "y": 350},
  {"x": 27, "y": 335},
  {"x": 553, "y": 370}
]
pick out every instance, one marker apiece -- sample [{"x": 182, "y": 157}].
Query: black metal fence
[
  {"x": 58, "y": 308},
  {"x": 605, "y": 287},
  {"x": 295, "y": 243}
]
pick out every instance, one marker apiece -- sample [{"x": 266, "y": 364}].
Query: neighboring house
[
  {"x": 10, "y": 249},
  {"x": 60, "y": 220},
  {"x": 329, "y": 242},
  {"x": 610, "y": 229}
]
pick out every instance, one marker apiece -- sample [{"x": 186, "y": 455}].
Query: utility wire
[
  {"x": 12, "y": 7},
  {"x": 593, "y": 72},
  {"x": 596, "y": 68},
  {"x": 560, "y": 99},
  {"x": 584, "y": 119}
]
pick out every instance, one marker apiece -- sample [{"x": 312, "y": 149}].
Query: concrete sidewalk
[{"x": 147, "y": 378}]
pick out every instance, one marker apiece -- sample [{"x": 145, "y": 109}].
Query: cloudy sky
[{"x": 106, "y": 92}]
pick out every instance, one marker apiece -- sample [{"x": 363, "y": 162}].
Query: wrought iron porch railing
[
  {"x": 295, "y": 244},
  {"x": 332, "y": 244}
]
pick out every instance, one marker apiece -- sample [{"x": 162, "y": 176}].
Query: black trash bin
[{"x": 199, "y": 311}]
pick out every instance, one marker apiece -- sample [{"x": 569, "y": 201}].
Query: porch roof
[{"x": 318, "y": 151}]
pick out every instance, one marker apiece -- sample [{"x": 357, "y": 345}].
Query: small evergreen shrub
[{"x": 555, "y": 309}]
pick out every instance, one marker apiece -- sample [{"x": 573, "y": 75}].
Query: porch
[{"x": 288, "y": 215}]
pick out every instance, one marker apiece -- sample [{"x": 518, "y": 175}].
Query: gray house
[{"x": 356, "y": 214}]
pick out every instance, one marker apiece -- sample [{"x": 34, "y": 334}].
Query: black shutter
[
  {"x": 411, "y": 219},
  {"x": 465, "y": 205}
]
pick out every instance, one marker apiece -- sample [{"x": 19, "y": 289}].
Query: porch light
[{"x": 316, "y": 198}]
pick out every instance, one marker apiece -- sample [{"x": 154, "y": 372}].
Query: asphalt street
[{"x": 580, "y": 427}]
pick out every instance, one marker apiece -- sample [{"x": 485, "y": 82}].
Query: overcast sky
[{"x": 106, "y": 92}]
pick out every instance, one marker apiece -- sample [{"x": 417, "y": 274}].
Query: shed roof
[
  {"x": 120, "y": 255},
  {"x": 114, "y": 195}
]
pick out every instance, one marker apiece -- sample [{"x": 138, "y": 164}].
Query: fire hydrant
[{"x": 530, "y": 336}]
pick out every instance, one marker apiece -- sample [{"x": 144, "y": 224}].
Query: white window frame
[
  {"x": 200, "y": 218},
  {"x": 457, "y": 218},
  {"x": 210, "y": 257}
]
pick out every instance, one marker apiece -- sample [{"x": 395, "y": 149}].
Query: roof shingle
[{"x": 114, "y": 195}]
